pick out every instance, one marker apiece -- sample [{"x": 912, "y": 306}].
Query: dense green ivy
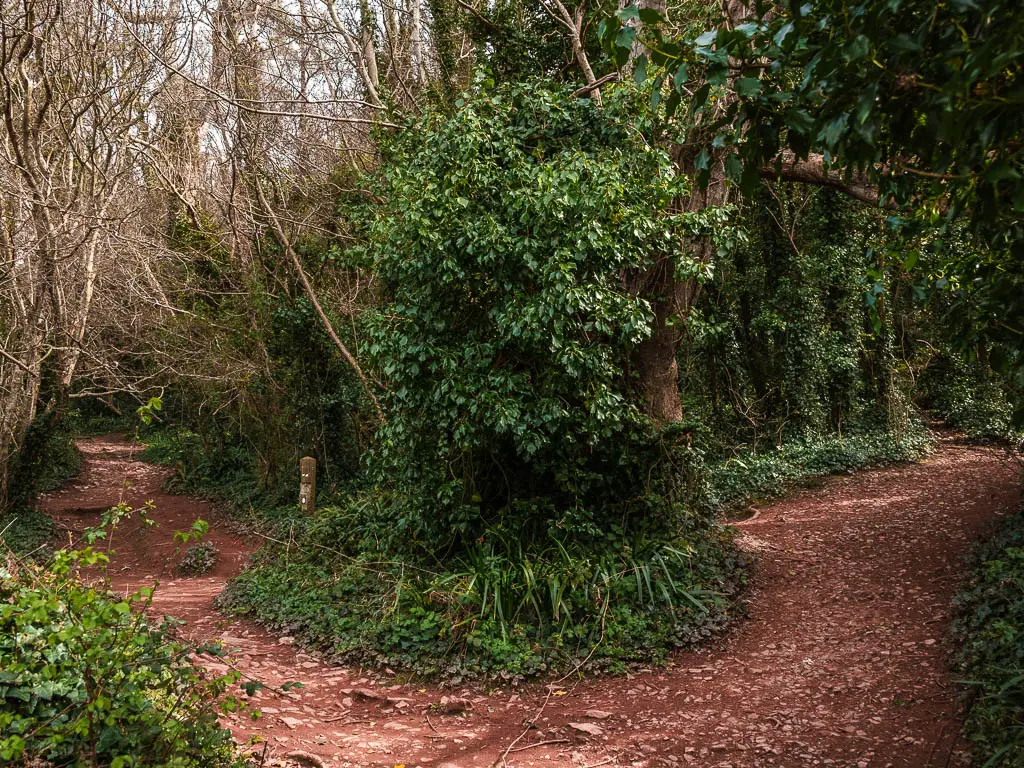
[
  {"x": 920, "y": 99},
  {"x": 779, "y": 343},
  {"x": 989, "y": 632},
  {"x": 526, "y": 514},
  {"x": 509, "y": 230}
]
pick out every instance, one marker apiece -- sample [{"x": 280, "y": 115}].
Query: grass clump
[
  {"x": 989, "y": 630},
  {"x": 198, "y": 559},
  {"x": 497, "y": 609}
]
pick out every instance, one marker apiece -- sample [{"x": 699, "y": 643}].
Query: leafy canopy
[{"x": 909, "y": 91}]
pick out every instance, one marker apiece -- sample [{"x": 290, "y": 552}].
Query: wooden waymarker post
[{"x": 307, "y": 484}]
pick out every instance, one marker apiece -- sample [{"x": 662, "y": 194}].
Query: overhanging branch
[{"x": 813, "y": 171}]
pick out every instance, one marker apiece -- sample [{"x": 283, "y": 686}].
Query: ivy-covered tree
[{"x": 509, "y": 234}]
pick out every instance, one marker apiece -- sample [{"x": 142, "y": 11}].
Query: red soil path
[{"x": 842, "y": 663}]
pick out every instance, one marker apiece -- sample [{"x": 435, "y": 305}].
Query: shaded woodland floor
[{"x": 842, "y": 661}]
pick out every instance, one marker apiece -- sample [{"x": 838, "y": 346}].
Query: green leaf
[
  {"x": 834, "y": 131},
  {"x": 783, "y": 33},
  {"x": 679, "y": 78},
  {"x": 624, "y": 39},
  {"x": 640, "y": 69},
  {"x": 250, "y": 687},
  {"x": 707, "y": 39},
  {"x": 651, "y": 16},
  {"x": 748, "y": 87},
  {"x": 799, "y": 120}
]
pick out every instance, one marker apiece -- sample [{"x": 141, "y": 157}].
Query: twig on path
[
  {"x": 529, "y": 726},
  {"x": 603, "y": 762},
  {"x": 540, "y": 744},
  {"x": 440, "y": 736},
  {"x": 952, "y": 747},
  {"x": 935, "y": 745},
  {"x": 347, "y": 722}
]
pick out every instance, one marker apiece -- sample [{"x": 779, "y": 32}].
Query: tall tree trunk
[
  {"x": 655, "y": 358},
  {"x": 672, "y": 298}
]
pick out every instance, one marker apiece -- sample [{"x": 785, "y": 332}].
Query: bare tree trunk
[
  {"x": 307, "y": 287},
  {"x": 416, "y": 45}
]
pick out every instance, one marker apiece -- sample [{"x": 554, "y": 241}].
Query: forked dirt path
[{"x": 842, "y": 662}]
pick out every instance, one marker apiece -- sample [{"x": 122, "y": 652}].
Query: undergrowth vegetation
[
  {"x": 770, "y": 473},
  {"x": 989, "y": 631},
  {"x": 330, "y": 582},
  {"x": 969, "y": 397},
  {"x": 496, "y": 610},
  {"x": 47, "y": 459},
  {"x": 86, "y": 681}
]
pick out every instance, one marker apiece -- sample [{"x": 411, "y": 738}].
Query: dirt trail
[{"x": 842, "y": 662}]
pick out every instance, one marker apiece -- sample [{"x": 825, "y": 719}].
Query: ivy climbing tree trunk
[{"x": 671, "y": 296}]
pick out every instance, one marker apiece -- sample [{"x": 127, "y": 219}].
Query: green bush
[
  {"x": 507, "y": 336},
  {"x": 527, "y": 515},
  {"x": 85, "y": 681},
  {"x": 989, "y": 629}
]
